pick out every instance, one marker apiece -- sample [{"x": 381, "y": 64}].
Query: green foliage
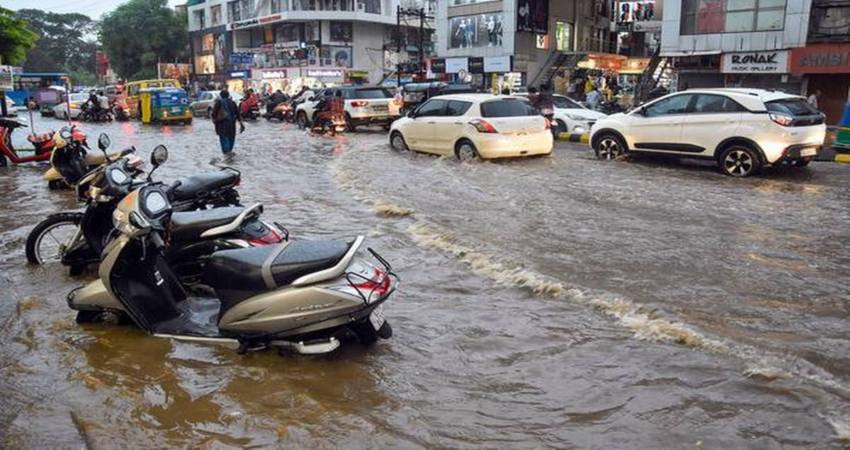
[
  {"x": 139, "y": 33},
  {"x": 65, "y": 42},
  {"x": 82, "y": 78},
  {"x": 15, "y": 38}
]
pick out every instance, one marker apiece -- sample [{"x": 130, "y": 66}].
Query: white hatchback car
[
  {"x": 60, "y": 111},
  {"x": 474, "y": 125},
  {"x": 571, "y": 116},
  {"x": 742, "y": 130}
]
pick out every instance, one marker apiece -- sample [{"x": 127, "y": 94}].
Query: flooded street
[{"x": 558, "y": 302}]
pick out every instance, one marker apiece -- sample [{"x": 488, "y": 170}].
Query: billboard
[
  {"x": 178, "y": 71},
  {"x": 482, "y": 30},
  {"x": 533, "y": 16}
]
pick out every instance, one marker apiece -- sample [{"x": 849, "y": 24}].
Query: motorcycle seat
[
  {"x": 202, "y": 184},
  {"x": 238, "y": 274},
  {"x": 96, "y": 158},
  {"x": 189, "y": 225}
]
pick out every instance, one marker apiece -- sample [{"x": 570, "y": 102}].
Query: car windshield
[
  {"x": 566, "y": 103},
  {"x": 506, "y": 108},
  {"x": 791, "y": 106},
  {"x": 372, "y": 93}
]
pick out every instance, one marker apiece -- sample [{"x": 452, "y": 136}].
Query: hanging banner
[{"x": 533, "y": 16}]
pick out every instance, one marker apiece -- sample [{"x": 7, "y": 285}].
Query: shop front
[
  {"x": 825, "y": 67},
  {"x": 272, "y": 79},
  {"x": 763, "y": 69},
  {"x": 238, "y": 81},
  {"x": 482, "y": 73}
]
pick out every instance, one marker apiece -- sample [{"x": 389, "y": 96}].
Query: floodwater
[{"x": 557, "y": 302}]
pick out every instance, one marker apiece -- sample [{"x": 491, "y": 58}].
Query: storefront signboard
[
  {"x": 497, "y": 64},
  {"x": 821, "y": 58},
  {"x": 773, "y": 61},
  {"x": 455, "y": 65},
  {"x": 325, "y": 73},
  {"x": 239, "y": 74},
  {"x": 273, "y": 74}
]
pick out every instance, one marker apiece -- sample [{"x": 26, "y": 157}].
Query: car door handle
[
  {"x": 458, "y": 123},
  {"x": 431, "y": 123}
]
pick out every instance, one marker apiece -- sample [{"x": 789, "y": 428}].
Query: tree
[
  {"x": 65, "y": 42},
  {"x": 15, "y": 38},
  {"x": 140, "y": 33}
]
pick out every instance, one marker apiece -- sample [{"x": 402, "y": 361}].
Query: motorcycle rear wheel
[{"x": 38, "y": 250}]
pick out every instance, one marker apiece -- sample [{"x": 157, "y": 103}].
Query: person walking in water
[{"x": 225, "y": 114}]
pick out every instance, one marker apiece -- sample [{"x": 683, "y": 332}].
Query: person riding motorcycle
[
  {"x": 275, "y": 99},
  {"x": 329, "y": 108},
  {"x": 93, "y": 102},
  {"x": 250, "y": 102}
]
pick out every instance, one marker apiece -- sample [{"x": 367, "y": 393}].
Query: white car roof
[
  {"x": 476, "y": 98},
  {"x": 761, "y": 94}
]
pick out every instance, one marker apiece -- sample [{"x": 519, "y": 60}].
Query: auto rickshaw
[
  {"x": 414, "y": 94},
  {"x": 164, "y": 105}
]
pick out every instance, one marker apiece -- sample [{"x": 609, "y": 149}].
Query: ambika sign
[
  {"x": 821, "y": 58},
  {"x": 775, "y": 61}
]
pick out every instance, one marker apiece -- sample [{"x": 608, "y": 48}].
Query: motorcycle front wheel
[{"x": 49, "y": 240}]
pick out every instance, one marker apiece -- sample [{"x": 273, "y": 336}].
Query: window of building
[
  {"x": 731, "y": 16},
  {"x": 215, "y": 15},
  {"x": 199, "y": 18},
  {"x": 234, "y": 13},
  {"x": 563, "y": 36}
]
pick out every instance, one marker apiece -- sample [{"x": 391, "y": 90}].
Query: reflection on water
[{"x": 553, "y": 302}]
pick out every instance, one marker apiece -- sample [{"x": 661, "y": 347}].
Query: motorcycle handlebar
[{"x": 173, "y": 187}]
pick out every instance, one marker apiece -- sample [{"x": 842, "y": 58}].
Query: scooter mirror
[
  {"x": 159, "y": 155},
  {"x": 103, "y": 141}
]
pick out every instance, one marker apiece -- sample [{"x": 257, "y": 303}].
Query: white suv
[
  {"x": 363, "y": 106},
  {"x": 571, "y": 116},
  {"x": 743, "y": 130}
]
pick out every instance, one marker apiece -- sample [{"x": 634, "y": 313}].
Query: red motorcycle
[{"x": 42, "y": 144}]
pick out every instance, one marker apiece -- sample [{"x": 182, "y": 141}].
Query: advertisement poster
[
  {"x": 341, "y": 31},
  {"x": 484, "y": 30},
  {"x": 336, "y": 56},
  {"x": 177, "y": 71},
  {"x": 533, "y": 16}
]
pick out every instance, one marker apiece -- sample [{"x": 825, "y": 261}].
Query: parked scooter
[
  {"x": 42, "y": 143},
  {"x": 71, "y": 159},
  {"x": 83, "y": 235},
  {"x": 303, "y": 295}
]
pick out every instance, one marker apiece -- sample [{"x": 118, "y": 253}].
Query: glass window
[
  {"x": 736, "y": 5},
  {"x": 507, "y": 108},
  {"x": 677, "y": 104},
  {"x": 731, "y": 16},
  {"x": 457, "y": 108},
  {"x": 431, "y": 108},
  {"x": 215, "y": 12},
  {"x": 563, "y": 36},
  {"x": 791, "y": 106},
  {"x": 373, "y": 93},
  {"x": 770, "y": 20},
  {"x": 739, "y": 21},
  {"x": 715, "y": 104},
  {"x": 565, "y": 103}
]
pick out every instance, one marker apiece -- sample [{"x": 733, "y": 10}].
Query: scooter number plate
[{"x": 377, "y": 317}]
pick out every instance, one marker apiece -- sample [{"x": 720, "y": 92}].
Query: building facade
[
  {"x": 735, "y": 43},
  {"x": 484, "y": 40},
  {"x": 824, "y": 63},
  {"x": 288, "y": 43}
]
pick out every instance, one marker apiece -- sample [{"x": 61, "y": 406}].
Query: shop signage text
[
  {"x": 756, "y": 62},
  {"x": 497, "y": 64},
  {"x": 274, "y": 74},
  {"x": 821, "y": 58},
  {"x": 240, "y": 74},
  {"x": 324, "y": 73},
  {"x": 455, "y": 65}
]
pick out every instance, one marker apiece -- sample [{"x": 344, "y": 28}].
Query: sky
[{"x": 91, "y": 8}]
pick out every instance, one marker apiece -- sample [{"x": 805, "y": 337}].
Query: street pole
[
  {"x": 398, "y": 45},
  {"x": 421, "y": 44}
]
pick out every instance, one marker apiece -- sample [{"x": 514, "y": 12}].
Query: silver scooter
[{"x": 308, "y": 296}]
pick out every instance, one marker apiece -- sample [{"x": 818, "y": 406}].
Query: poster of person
[
  {"x": 288, "y": 35},
  {"x": 484, "y": 30},
  {"x": 177, "y": 71},
  {"x": 220, "y": 48},
  {"x": 311, "y": 32},
  {"x": 336, "y": 56},
  {"x": 341, "y": 31},
  {"x": 533, "y": 16}
]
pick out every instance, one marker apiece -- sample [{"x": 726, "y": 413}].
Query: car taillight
[
  {"x": 483, "y": 126},
  {"x": 782, "y": 119},
  {"x": 359, "y": 103},
  {"x": 272, "y": 237}
]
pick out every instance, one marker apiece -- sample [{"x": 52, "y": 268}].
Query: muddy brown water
[{"x": 555, "y": 302}]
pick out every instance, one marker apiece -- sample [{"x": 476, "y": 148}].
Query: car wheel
[
  {"x": 349, "y": 125},
  {"x": 397, "y": 142},
  {"x": 739, "y": 161},
  {"x": 801, "y": 162},
  {"x": 465, "y": 150},
  {"x": 609, "y": 146}
]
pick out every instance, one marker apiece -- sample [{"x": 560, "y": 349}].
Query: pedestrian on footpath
[
  {"x": 225, "y": 114},
  {"x": 593, "y": 98},
  {"x": 813, "y": 98}
]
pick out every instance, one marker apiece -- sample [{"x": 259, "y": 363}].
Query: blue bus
[{"x": 47, "y": 88}]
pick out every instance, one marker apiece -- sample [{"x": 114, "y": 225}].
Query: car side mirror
[{"x": 412, "y": 114}]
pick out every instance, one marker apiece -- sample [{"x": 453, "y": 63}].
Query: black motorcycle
[{"x": 89, "y": 113}]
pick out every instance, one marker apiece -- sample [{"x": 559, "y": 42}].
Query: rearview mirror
[
  {"x": 103, "y": 141},
  {"x": 159, "y": 155}
]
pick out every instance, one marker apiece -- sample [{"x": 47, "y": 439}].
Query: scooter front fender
[
  {"x": 52, "y": 175},
  {"x": 93, "y": 297}
]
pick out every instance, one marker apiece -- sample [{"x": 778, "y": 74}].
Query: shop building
[
  {"x": 283, "y": 44},
  {"x": 735, "y": 43},
  {"x": 824, "y": 63},
  {"x": 497, "y": 42}
]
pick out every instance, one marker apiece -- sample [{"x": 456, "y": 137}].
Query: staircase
[
  {"x": 553, "y": 64},
  {"x": 650, "y": 76}
]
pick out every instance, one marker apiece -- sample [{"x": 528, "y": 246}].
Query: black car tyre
[
  {"x": 349, "y": 125},
  {"x": 739, "y": 161},
  {"x": 397, "y": 142},
  {"x": 609, "y": 146},
  {"x": 465, "y": 150}
]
